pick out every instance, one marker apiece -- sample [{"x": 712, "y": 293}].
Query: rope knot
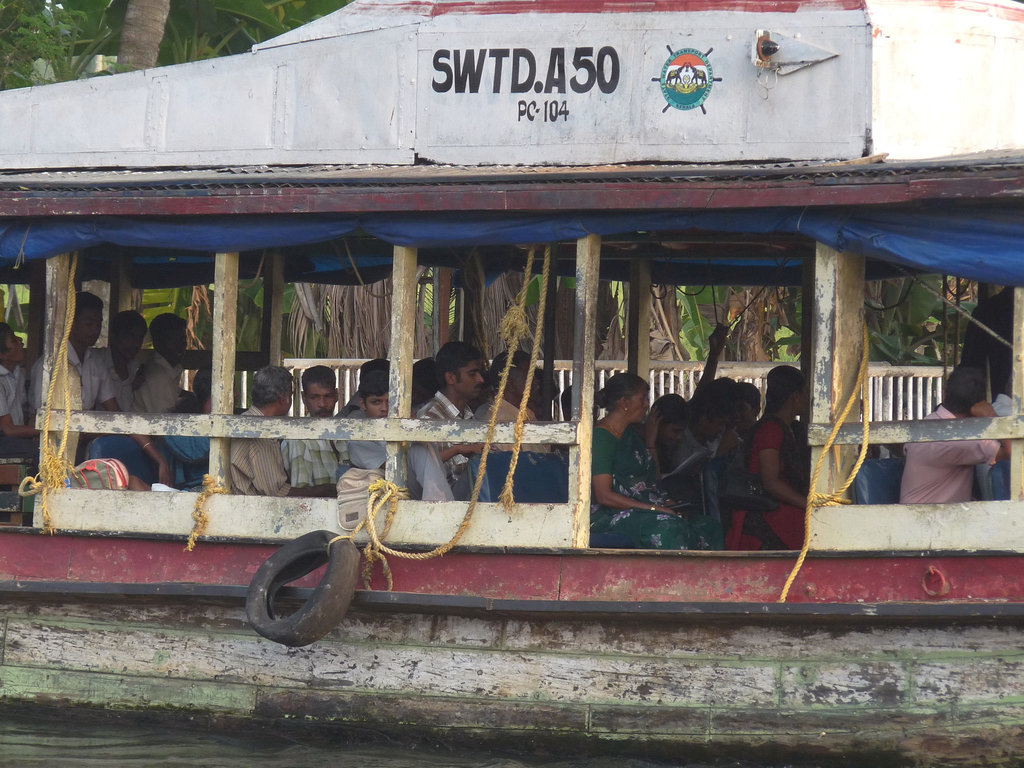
[
  {"x": 828, "y": 500},
  {"x": 211, "y": 485},
  {"x": 514, "y": 326}
]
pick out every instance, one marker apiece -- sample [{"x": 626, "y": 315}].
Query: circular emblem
[{"x": 686, "y": 79}]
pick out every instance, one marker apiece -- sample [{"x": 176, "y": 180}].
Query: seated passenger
[
  {"x": 372, "y": 399},
  {"x": 748, "y": 411},
  {"x": 257, "y": 468},
  {"x": 672, "y": 412},
  {"x": 189, "y": 455},
  {"x": 492, "y": 376},
  {"x": 780, "y": 459},
  {"x": 315, "y": 462},
  {"x": 161, "y": 385},
  {"x": 91, "y": 377},
  {"x": 427, "y": 478},
  {"x": 943, "y": 472},
  {"x": 19, "y": 439},
  {"x": 460, "y": 371},
  {"x": 424, "y": 382},
  {"x": 86, "y": 362},
  {"x": 121, "y": 357},
  {"x": 508, "y": 408},
  {"x": 628, "y": 503},
  {"x": 377, "y": 364},
  {"x": 712, "y": 414}
]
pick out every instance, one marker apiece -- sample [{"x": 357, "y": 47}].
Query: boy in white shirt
[{"x": 18, "y": 439}]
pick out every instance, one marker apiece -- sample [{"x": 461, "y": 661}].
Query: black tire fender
[{"x": 324, "y": 609}]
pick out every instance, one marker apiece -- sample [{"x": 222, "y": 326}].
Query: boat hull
[{"x": 677, "y": 681}]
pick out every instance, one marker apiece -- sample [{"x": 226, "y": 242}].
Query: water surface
[{"x": 49, "y": 740}]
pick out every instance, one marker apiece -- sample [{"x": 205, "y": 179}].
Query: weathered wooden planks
[
  {"x": 941, "y": 694},
  {"x": 281, "y": 519},
  {"x": 393, "y": 429},
  {"x": 980, "y": 525},
  {"x": 225, "y": 314},
  {"x": 588, "y": 267}
]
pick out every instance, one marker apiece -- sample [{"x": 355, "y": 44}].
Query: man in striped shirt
[
  {"x": 315, "y": 462},
  {"x": 257, "y": 467}
]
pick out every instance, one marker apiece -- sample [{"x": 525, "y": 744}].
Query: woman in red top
[{"x": 781, "y": 461}]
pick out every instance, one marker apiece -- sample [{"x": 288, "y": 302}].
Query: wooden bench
[{"x": 14, "y": 510}]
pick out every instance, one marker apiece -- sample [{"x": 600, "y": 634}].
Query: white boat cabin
[{"x": 630, "y": 136}]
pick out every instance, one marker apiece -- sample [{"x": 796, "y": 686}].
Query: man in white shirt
[
  {"x": 17, "y": 439},
  {"x": 161, "y": 386},
  {"x": 460, "y": 371},
  {"x": 90, "y": 375},
  {"x": 96, "y": 387},
  {"x": 121, "y": 357}
]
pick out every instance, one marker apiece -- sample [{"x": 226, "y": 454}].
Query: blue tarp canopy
[{"x": 981, "y": 244}]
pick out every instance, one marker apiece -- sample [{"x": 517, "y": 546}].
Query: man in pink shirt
[{"x": 943, "y": 472}]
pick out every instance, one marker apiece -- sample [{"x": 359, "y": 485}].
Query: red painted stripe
[
  {"x": 533, "y": 197},
  {"x": 493, "y": 7},
  {"x": 997, "y": 8},
  {"x": 569, "y": 576}
]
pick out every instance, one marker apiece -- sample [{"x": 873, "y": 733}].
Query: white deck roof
[{"x": 556, "y": 82}]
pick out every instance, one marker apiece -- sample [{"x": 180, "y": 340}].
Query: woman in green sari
[{"x": 628, "y": 505}]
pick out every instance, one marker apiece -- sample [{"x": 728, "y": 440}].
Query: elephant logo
[{"x": 686, "y": 79}]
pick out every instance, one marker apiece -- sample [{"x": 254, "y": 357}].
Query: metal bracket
[{"x": 784, "y": 54}]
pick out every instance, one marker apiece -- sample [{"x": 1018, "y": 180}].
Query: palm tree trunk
[{"x": 142, "y": 34}]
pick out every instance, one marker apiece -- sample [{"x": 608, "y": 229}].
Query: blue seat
[
  {"x": 999, "y": 480},
  {"x": 878, "y": 482},
  {"x": 610, "y": 541},
  {"x": 541, "y": 478},
  {"x": 125, "y": 449}
]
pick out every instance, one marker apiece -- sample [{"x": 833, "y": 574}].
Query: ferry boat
[{"x": 810, "y": 142}]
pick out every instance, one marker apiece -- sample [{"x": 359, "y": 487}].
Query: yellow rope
[
  {"x": 385, "y": 493},
  {"x": 211, "y": 485},
  {"x": 507, "y": 499},
  {"x": 815, "y": 499},
  {"x": 53, "y": 464}
]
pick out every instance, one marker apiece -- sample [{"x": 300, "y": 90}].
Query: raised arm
[{"x": 716, "y": 343}]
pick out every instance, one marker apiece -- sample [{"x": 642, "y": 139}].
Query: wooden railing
[{"x": 898, "y": 393}]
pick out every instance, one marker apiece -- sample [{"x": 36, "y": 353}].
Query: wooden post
[
  {"x": 838, "y": 313},
  {"x": 57, "y": 284},
  {"x": 120, "y": 286},
  {"x": 588, "y": 260},
  {"x": 403, "y": 309},
  {"x": 547, "y": 384},
  {"x": 807, "y": 320},
  {"x": 442, "y": 306},
  {"x": 273, "y": 305},
  {"x": 1017, "y": 446},
  {"x": 225, "y": 319},
  {"x": 37, "y": 336},
  {"x": 638, "y": 346}
]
